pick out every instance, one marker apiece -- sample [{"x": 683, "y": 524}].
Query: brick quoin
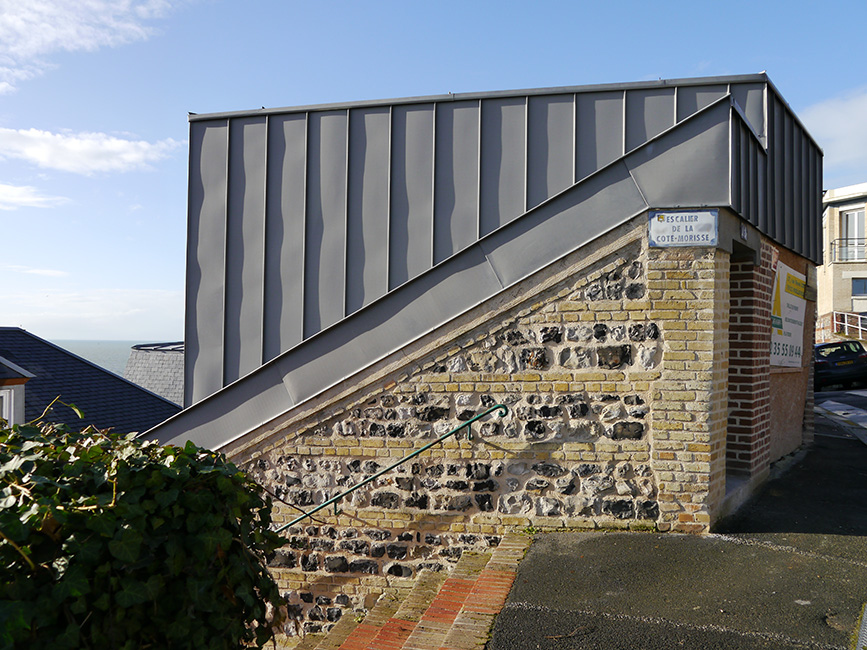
[{"x": 748, "y": 439}]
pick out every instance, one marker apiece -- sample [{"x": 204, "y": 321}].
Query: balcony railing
[
  {"x": 849, "y": 250},
  {"x": 850, "y": 325}
]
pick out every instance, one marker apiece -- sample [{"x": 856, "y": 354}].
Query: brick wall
[
  {"x": 749, "y": 362},
  {"x": 689, "y": 293}
]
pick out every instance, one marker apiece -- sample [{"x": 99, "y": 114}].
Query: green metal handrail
[{"x": 504, "y": 410}]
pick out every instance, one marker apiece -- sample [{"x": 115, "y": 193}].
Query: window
[
  {"x": 859, "y": 286},
  {"x": 6, "y": 406},
  {"x": 852, "y": 236}
]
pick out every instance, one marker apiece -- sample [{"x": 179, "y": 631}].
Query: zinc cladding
[
  {"x": 106, "y": 400},
  {"x": 324, "y": 238}
]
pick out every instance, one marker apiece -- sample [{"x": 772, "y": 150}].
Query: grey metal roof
[
  {"x": 108, "y": 401},
  {"x": 323, "y": 238}
]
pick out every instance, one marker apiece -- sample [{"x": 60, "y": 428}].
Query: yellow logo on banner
[
  {"x": 795, "y": 286},
  {"x": 777, "y": 311}
]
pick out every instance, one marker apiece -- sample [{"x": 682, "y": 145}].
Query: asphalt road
[{"x": 788, "y": 571}]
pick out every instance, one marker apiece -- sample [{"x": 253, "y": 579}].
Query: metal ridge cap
[{"x": 495, "y": 94}]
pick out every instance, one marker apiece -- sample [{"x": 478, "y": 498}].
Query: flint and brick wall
[{"x": 614, "y": 367}]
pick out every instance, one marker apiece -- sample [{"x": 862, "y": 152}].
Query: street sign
[{"x": 684, "y": 228}]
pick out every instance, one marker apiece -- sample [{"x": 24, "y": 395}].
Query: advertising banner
[{"x": 788, "y": 311}]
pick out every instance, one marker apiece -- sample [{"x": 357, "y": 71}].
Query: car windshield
[{"x": 839, "y": 349}]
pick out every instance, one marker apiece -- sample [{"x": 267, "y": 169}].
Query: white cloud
[
  {"x": 51, "y": 273},
  {"x": 31, "y": 30},
  {"x": 13, "y": 197},
  {"x": 839, "y": 126},
  {"x": 103, "y": 314},
  {"x": 82, "y": 153}
]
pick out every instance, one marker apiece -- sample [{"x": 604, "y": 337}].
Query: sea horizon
[{"x": 109, "y": 354}]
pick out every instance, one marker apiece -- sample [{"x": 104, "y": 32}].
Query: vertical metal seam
[
  {"x": 623, "y": 125},
  {"x": 574, "y": 138},
  {"x": 731, "y": 145},
  {"x": 346, "y": 217},
  {"x": 433, "y": 185},
  {"x": 388, "y": 176},
  {"x": 225, "y": 254},
  {"x": 674, "y": 108},
  {"x": 479, "y": 177},
  {"x": 305, "y": 191},
  {"x": 526, "y": 153},
  {"x": 265, "y": 240}
]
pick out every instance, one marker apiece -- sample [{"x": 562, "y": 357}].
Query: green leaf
[
  {"x": 73, "y": 584},
  {"x": 103, "y": 523},
  {"x": 167, "y": 497},
  {"x": 77, "y": 410},
  {"x": 133, "y": 593},
  {"x": 128, "y": 547},
  {"x": 14, "y": 621}
]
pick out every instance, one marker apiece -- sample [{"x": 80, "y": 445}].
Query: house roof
[
  {"x": 12, "y": 373},
  {"x": 107, "y": 400}
]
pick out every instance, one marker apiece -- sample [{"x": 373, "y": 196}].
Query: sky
[{"x": 94, "y": 98}]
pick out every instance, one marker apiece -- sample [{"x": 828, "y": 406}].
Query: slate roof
[{"x": 107, "y": 400}]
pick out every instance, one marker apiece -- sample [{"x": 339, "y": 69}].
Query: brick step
[
  {"x": 471, "y": 628},
  {"x": 361, "y": 634},
  {"x": 442, "y": 611},
  {"x": 463, "y": 611}
]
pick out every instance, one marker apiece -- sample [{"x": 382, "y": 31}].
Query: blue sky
[{"x": 94, "y": 96}]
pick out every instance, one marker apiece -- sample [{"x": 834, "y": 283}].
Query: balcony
[{"x": 849, "y": 250}]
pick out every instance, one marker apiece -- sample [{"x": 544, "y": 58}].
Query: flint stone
[
  {"x": 596, "y": 484},
  {"x": 459, "y": 502},
  {"x": 336, "y": 564},
  {"x": 648, "y": 510},
  {"x": 431, "y": 413},
  {"x": 614, "y": 357},
  {"x": 547, "y": 334},
  {"x": 628, "y": 431},
  {"x": 600, "y": 331},
  {"x": 536, "y": 484},
  {"x": 535, "y": 429},
  {"x": 534, "y": 358},
  {"x": 479, "y": 471},
  {"x": 618, "y": 508},
  {"x": 388, "y": 500},
  {"x": 515, "y": 504},
  {"x": 400, "y": 571},
  {"x": 364, "y": 566},
  {"x": 548, "y": 507},
  {"x": 550, "y": 470},
  {"x": 419, "y": 501},
  {"x": 484, "y": 502}
]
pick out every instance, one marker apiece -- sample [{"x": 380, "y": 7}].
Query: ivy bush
[{"x": 111, "y": 542}]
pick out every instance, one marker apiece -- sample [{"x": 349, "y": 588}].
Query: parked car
[{"x": 842, "y": 362}]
